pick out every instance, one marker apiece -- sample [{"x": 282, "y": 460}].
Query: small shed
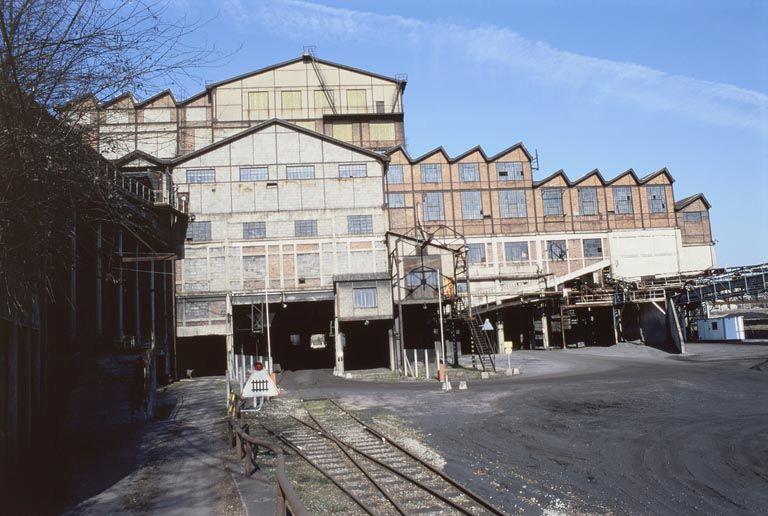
[{"x": 730, "y": 327}]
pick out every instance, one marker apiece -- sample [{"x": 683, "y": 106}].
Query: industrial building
[{"x": 302, "y": 193}]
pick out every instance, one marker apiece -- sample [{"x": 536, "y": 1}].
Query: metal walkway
[{"x": 736, "y": 282}]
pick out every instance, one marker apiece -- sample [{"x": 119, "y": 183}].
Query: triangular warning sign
[
  {"x": 259, "y": 385},
  {"x": 487, "y": 326}
]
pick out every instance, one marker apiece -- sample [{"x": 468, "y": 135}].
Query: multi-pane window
[
  {"x": 476, "y": 253},
  {"x": 291, "y": 99},
  {"x": 431, "y": 172},
  {"x": 556, "y": 250},
  {"x": 657, "y": 199},
  {"x": 396, "y": 200},
  {"x": 395, "y": 174},
  {"x": 471, "y": 205},
  {"x": 433, "y": 206},
  {"x": 302, "y": 228},
  {"x": 693, "y": 216},
  {"x": 365, "y": 297},
  {"x": 254, "y": 174},
  {"x": 553, "y": 201},
  {"x": 356, "y": 98},
  {"x": 415, "y": 279},
  {"x": 321, "y": 98},
  {"x": 622, "y": 199},
  {"x": 352, "y": 170},
  {"x": 359, "y": 224},
  {"x": 588, "y": 201},
  {"x": 516, "y": 251},
  {"x": 380, "y": 107},
  {"x": 254, "y": 230},
  {"x": 199, "y": 231},
  {"x": 201, "y": 175},
  {"x": 196, "y": 309},
  {"x": 510, "y": 170},
  {"x": 469, "y": 172},
  {"x": 300, "y": 171},
  {"x": 258, "y": 103},
  {"x": 512, "y": 203},
  {"x": 593, "y": 248}
]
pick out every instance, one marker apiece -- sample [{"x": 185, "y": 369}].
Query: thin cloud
[{"x": 509, "y": 53}]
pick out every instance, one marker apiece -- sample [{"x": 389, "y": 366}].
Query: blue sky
[{"x": 589, "y": 84}]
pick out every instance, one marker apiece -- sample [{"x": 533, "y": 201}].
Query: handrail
[{"x": 288, "y": 502}]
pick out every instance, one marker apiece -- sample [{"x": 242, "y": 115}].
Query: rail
[{"x": 288, "y": 502}]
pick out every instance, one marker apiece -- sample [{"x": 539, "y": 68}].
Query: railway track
[{"x": 379, "y": 475}]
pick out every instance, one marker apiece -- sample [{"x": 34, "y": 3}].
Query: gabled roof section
[
  {"x": 117, "y": 99},
  {"x": 586, "y": 176},
  {"x": 518, "y": 145},
  {"x": 400, "y": 148},
  {"x": 476, "y": 148},
  {"x": 276, "y": 121},
  {"x": 663, "y": 171},
  {"x": 551, "y": 177},
  {"x": 630, "y": 172},
  {"x": 139, "y": 154},
  {"x": 432, "y": 152},
  {"x": 156, "y": 96},
  {"x": 298, "y": 60},
  {"x": 682, "y": 203}
]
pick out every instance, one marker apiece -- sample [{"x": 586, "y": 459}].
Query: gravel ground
[{"x": 620, "y": 430}]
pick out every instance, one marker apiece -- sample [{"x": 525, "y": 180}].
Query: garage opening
[
  {"x": 299, "y": 333},
  {"x": 366, "y": 345},
  {"x": 205, "y": 355},
  {"x": 421, "y": 326}
]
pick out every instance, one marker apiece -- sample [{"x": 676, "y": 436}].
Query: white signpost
[{"x": 259, "y": 385}]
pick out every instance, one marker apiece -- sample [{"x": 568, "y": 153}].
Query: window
[
  {"x": 381, "y": 131},
  {"x": 433, "y": 206},
  {"x": 396, "y": 200},
  {"x": 431, "y": 173},
  {"x": 476, "y": 253},
  {"x": 291, "y": 99},
  {"x": 512, "y": 203},
  {"x": 201, "y": 175},
  {"x": 356, "y": 98},
  {"x": 254, "y": 230},
  {"x": 300, "y": 172},
  {"x": 258, "y": 104},
  {"x": 199, "y": 231},
  {"x": 302, "y": 228},
  {"x": 321, "y": 99},
  {"x": 510, "y": 170},
  {"x": 593, "y": 248},
  {"x": 365, "y": 297},
  {"x": 693, "y": 217},
  {"x": 622, "y": 199},
  {"x": 471, "y": 205},
  {"x": 352, "y": 170},
  {"x": 556, "y": 250},
  {"x": 461, "y": 287},
  {"x": 516, "y": 251},
  {"x": 469, "y": 172},
  {"x": 395, "y": 174},
  {"x": 657, "y": 199},
  {"x": 380, "y": 107},
  {"x": 588, "y": 201},
  {"x": 253, "y": 174},
  {"x": 342, "y": 132},
  {"x": 714, "y": 325},
  {"x": 553, "y": 201},
  {"x": 195, "y": 310},
  {"x": 418, "y": 278},
  {"x": 359, "y": 224}
]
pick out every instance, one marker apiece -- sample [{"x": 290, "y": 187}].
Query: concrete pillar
[
  {"x": 391, "y": 337},
  {"x": 544, "y": 331},
  {"x": 230, "y": 337},
  {"x": 120, "y": 287},
  {"x": 99, "y": 282},
  {"x": 500, "y": 335},
  {"x": 152, "y": 305},
  {"x": 339, "y": 342},
  {"x": 167, "y": 362}
]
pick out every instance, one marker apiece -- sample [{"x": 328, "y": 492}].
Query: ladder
[
  {"x": 482, "y": 342},
  {"x": 309, "y": 53}
]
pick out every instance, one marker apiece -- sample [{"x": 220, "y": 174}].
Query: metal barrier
[{"x": 288, "y": 502}]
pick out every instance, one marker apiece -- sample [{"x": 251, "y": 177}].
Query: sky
[{"x": 586, "y": 83}]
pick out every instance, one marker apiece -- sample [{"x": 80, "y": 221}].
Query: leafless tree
[{"x": 53, "y": 53}]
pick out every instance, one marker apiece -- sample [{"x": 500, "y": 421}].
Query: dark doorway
[
  {"x": 206, "y": 355},
  {"x": 367, "y": 346}
]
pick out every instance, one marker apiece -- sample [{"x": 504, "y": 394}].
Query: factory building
[{"x": 304, "y": 196}]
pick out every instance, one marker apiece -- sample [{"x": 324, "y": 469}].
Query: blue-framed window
[
  {"x": 431, "y": 172},
  {"x": 365, "y": 297},
  {"x": 471, "y": 205},
  {"x": 512, "y": 204},
  {"x": 510, "y": 170},
  {"x": 433, "y": 206},
  {"x": 476, "y": 253},
  {"x": 396, "y": 200},
  {"x": 201, "y": 175},
  {"x": 622, "y": 200},
  {"x": 469, "y": 172},
  {"x": 254, "y": 173},
  {"x": 254, "y": 230},
  {"x": 199, "y": 230},
  {"x": 657, "y": 199},
  {"x": 359, "y": 224},
  {"x": 300, "y": 172},
  {"x": 557, "y": 250},
  {"x": 305, "y": 228},
  {"x": 588, "y": 201},
  {"x": 352, "y": 170},
  {"x": 395, "y": 174},
  {"x": 553, "y": 201},
  {"x": 516, "y": 251},
  {"x": 593, "y": 247}
]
